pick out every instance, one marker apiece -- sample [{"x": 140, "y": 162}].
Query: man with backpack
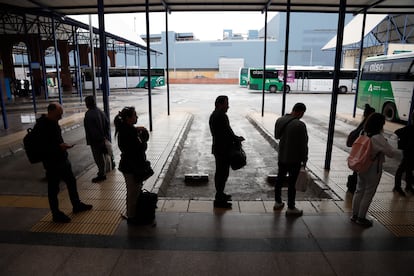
[
  {"x": 56, "y": 163},
  {"x": 406, "y": 144}
]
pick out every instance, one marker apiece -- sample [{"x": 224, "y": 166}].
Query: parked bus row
[{"x": 299, "y": 79}]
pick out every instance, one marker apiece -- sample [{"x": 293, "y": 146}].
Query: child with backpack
[
  {"x": 406, "y": 144},
  {"x": 353, "y": 178},
  {"x": 368, "y": 179}
]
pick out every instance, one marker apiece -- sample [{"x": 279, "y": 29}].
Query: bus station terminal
[
  {"x": 193, "y": 238},
  {"x": 189, "y": 236}
]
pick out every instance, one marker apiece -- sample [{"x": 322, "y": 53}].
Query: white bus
[
  {"x": 119, "y": 77},
  {"x": 303, "y": 79}
]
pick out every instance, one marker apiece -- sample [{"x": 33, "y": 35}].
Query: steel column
[
  {"x": 286, "y": 57},
  {"x": 148, "y": 63},
  {"x": 56, "y": 60},
  {"x": 338, "y": 56},
  {"x": 264, "y": 63}
]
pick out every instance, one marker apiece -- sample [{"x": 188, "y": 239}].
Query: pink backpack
[{"x": 359, "y": 160}]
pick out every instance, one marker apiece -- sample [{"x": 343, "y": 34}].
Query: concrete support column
[
  {"x": 83, "y": 54},
  {"x": 63, "y": 48},
  {"x": 111, "y": 54},
  {"x": 35, "y": 57}
]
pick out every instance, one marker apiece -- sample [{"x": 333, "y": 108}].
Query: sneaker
[
  {"x": 81, "y": 207},
  {"x": 278, "y": 206},
  {"x": 113, "y": 165},
  {"x": 398, "y": 190},
  {"x": 60, "y": 217},
  {"x": 223, "y": 197},
  {"x": 354, "y": 218},
  {"x": 99, "y": 179},
  {"x": 364, "y": 222},
  {"x": 294, "y": 212},
  {"x": 222, "y": 204}
]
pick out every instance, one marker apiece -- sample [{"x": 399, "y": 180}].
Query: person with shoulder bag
[
  {"x": 353, "y": 135},
  {"x": 292, "y": 155},
  {"x": 406, "y": 144},
  {"x": 369, "y": 179},
  {"x": 132, "y": 141}
]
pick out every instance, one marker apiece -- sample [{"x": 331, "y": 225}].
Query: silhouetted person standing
[
  {"x": 224, "y": 140},
  {"x": 57, "y": 164},
  {"x": 293, "y": 153},
  {"x": 406, "y": 144},
  {"x": 97, "y": 133}
]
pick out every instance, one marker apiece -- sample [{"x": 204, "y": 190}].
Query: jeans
[
  {"x": 366, "y": 188},
  {"x": 133, "y": 186},
  {"x": 293, "y": 171}
]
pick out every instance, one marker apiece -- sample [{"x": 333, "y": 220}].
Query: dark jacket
[
  {"x": 132, "y": 149},
  {"x": 223, "y": 136},
  {"x": 293, "y": 145},
  {"x": 96, "y": 126},
  {"x": 406, "y": 141},
  {"x": 51, "y": 137}
]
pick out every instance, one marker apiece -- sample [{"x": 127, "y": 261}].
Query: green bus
[
  {"x": 157, "y": 78},
  {"x": 272, "y": 81},
  {"x": 387, "y": 84},
  {"x": 243, "y": 76}
]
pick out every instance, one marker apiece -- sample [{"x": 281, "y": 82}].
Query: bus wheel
[
  {"x": 272, "y": 89},
  {"x": 389, "y": 111},
  {"x": 343, "y": 89},
  {"x": 287, "y": 88}
]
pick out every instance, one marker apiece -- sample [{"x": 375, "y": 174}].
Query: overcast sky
[{"x": 204, "y": 25}]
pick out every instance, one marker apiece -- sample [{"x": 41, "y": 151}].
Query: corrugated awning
[
  {"x": 113, "y": 24},
  {"x": 352, "y": 31}
]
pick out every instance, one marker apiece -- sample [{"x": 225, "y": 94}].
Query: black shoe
[
  {"x": 222, "y": 204},
  {"x": 223, "y": 197},
  {"x": 364, "y": 222},
  {"x": 113, "y": 165},
  {"x": 353, "y": 218},
  {"x": 60, "y": 217},
  {"x": 81, "y": 207},
  {"x": 99, "y": 179},
  {"x": 399, "y": 190}
]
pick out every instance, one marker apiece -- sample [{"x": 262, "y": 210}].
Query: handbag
[
  {"x": 145, "y": 171},
  {"x": 302, "y": 180},
  {"x": 238, "y": 157}
]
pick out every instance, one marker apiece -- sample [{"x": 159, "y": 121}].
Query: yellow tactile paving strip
[{"x": 397, "y": 216}]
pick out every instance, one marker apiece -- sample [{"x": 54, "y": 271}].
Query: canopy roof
[
  {"x": 67, "y": 7},
  {"x": 379, "y": 27}
]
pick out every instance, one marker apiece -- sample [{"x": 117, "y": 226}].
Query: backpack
[
  {"x": 32, "y": 145},
  {"x": 146, "y": 205},
  {"x": 359, "y": 159}
]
